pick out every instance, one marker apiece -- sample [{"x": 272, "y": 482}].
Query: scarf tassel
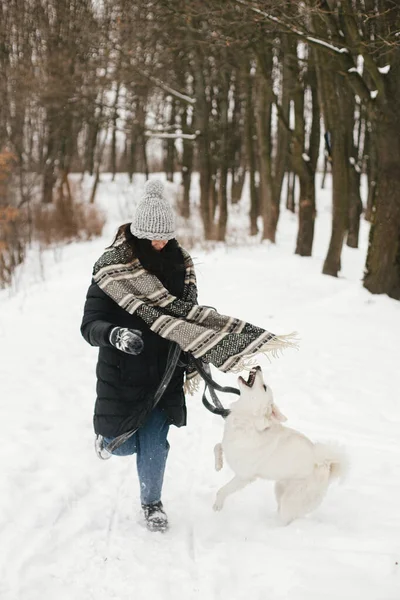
[{"x": 272, "y": 348}]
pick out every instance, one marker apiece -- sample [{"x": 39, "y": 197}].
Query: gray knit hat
[{"x": 154, "y": 218}]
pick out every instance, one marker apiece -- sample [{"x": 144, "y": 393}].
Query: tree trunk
[
  {"x": 203, "y": 155},
  {"x": 337, "y": 102},
  {"x": 95, "y": 186},
  {"x": 356, "y": 207},
  {"x": 187, "y": 167},
  {"x": 304, "y": 159},
  {"x": 269, "y": 210},
  {"x": 238, "y": 179},
  {"x": 132, "y": 150},
  {"x": 49, "y": 174},
  {"x": 205, "y": 185},
  {"x": 305, "y": 234},
  {"x": 382, "y": 274},
  {"x": 213, "y": 200},
  {"x": 223, "y": 160},
  {"x": 222, "y": 204},
  {"x": 291, "y": 191},
  {"x": 287, "y": 53},
  {"x": 325, "y": 171},
  {"x": 91, "y": 143},
  {"x": 49, "y": 180},
  {"x": 113, "y": 161},
  {"x": 169, "y": 149},
  {"x": 251, "y": 152},
  {"x": 340, "y": 201},
  {"x": 372, "y": 172},
  {"x": 237, "y": 145},
  {"x": 355, "y": 202},
  {"x": 187, "y": 117},
  {"x": 141, "y": 130}
]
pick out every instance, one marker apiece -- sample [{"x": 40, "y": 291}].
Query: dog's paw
[
  {"x": 218, "y": 504},
  {"x": 218, "y": 466},
  {"x": 285, "y": 518}
]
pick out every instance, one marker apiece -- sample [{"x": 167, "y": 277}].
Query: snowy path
[{"x": 69, "y": 525}]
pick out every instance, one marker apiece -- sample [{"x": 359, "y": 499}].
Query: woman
[
  {"x": 141, "y": 310},
  {"x": 133, "y": 359}
]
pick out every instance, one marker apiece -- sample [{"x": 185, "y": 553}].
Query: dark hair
[
  {"x": 121, "y": 231},
  {"x": 155, "y": 261}
]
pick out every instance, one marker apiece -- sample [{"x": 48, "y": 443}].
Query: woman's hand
[{"x": 127, "y": 340}]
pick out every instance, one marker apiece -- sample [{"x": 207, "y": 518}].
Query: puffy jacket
[{"x": 125, "y": 383}]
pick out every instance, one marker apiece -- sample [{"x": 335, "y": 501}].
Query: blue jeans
[{"x": 150, "y": 445}]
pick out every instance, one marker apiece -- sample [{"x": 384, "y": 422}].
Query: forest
[{"x": 262, "y": 94}]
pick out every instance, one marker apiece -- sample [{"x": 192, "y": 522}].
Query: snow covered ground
[{"x": 69, "y": 525}]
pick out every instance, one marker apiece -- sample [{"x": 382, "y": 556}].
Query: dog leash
[
  {"x": 217, "y": 408},
  {"x": 105, "y": 451},
  {"x": 204, "y": 371}
]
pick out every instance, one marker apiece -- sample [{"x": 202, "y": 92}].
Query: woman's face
[{"x": 159, "y": 244}]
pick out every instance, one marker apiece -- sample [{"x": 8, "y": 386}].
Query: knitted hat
[{"x": 154, "y": 219}]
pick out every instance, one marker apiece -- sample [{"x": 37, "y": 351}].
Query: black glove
[{"x": 127, "y": 340}]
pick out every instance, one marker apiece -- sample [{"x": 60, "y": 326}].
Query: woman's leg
[
  {"x": 125, "y": 449},
  {"x": 152, "y": 451}
]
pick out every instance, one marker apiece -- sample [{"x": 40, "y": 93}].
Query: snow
[
  {"x": 384, "y": 70},
  {"x": 373, "y": 94},
  {"x": 305, "y": 157},
  {"x": 172, "y": 136},
  {"x": 69, "y": 522},
  {"x": 360, "y": 65},
  {"x": 325, "y": 44}
]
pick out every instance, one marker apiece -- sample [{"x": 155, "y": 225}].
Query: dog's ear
[
  {"x": 277, "y": 415},
  {"x": 262, "y": 422},
  {"x": 265, "y": 420}
]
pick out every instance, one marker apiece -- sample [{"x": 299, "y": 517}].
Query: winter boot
[{"x": 155, "y": 517}]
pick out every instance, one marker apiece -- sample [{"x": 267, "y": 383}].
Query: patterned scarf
[{"x": 227, "y": 343}]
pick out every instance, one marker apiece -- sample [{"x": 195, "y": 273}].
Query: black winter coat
[{"x": 126, "y": 384}]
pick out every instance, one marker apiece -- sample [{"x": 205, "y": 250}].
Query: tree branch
[
  {"x": 164, "y": 86},
  {"x": 343, "y": 55},
  {"x": 356, "y": 41},
  {"x": 172, "y": 136},
  {"x": 290, "y": 28}
]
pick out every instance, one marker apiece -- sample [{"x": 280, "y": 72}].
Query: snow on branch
[
  {"x": 164, "y": 86},
  {"x": 356, "y": 80},
  {"x": 314, "y": 40},
  {"x": 293, "y": 29},
  {"x": 172, "y": 136}
]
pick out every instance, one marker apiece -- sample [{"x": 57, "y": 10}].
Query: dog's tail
[
  {"x": 297, "y": 497},
  {"x": 334, "y": 457}
]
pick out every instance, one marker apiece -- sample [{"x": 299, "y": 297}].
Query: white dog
[{"x": 257, "y": 445}]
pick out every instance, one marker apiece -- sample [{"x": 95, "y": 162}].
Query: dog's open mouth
[{"x": 252, "y": 377}]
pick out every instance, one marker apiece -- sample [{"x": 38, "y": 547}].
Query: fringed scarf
[{"x": 226, "y": 342}]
